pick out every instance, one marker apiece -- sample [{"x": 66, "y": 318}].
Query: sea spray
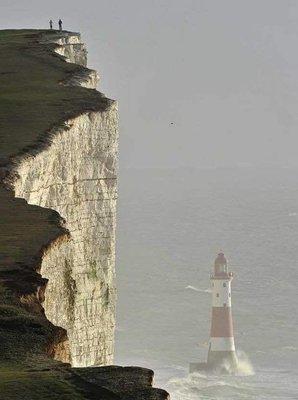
[
  {"x": 198, "y": 386},
  {"x": 230, "y": 385},
  {"x": 245, "y": 367}
]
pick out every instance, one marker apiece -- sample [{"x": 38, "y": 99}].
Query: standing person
[
  {"x": 60, "y": 24},
  {"x": 51, "y": 24}
]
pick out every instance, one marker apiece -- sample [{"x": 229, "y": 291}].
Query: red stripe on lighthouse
[{"x": 222, "y": 323}]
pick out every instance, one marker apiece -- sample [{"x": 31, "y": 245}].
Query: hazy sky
[{"x": 224, "y": 72}]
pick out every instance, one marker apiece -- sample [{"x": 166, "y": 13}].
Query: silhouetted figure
[
  {"x": 60, "y": 25},
  {"x": 51, "y": 24}
]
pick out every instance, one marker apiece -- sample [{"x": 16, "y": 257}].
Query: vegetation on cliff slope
[{"x": 32, "y": 98}]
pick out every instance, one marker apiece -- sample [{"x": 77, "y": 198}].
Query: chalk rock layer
[{"x": 76, "y": 176}]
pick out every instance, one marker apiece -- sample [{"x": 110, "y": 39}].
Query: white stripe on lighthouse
[
  {"x": 222, "y": 344},
  {"x": 221, "y": 293}
]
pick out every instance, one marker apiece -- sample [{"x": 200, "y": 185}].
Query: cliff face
[
  {"x": 80, "y": 294},
  {"x": 71, "y": 47},
  {"x": 58, "y": 169},
  {"x": 76, "y": 176}
]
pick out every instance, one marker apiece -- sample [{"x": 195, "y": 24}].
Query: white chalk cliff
[{"x": 76, "y": 175}]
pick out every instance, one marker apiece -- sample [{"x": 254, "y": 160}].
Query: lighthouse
[{"x": 221, "y": 352}]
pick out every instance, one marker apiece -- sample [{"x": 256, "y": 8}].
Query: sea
[{"x": 171, "y": 225}]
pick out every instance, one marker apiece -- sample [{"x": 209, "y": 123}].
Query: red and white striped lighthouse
[{"x": 221, "y": 345}]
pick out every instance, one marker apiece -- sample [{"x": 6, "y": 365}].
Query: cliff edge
[{"x": 58, "y": 190}]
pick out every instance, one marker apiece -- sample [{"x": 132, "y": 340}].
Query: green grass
[
  {"x": 24, "y": 230},
  {"x": 32, "y": 98},
  {"x": 26, "y": 385},
  {"x": 92, "y": 273}
]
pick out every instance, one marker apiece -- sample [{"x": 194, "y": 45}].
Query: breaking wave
[
  {"x": 244, "y": 365},
  {"x": 197, "y": 385}
]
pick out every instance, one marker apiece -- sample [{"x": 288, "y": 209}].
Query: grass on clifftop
[
  {"x": 32, "y": 98},
  {"x": 25, "y": 385}
]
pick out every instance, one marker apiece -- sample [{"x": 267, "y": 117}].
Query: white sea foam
[
  {"x": 244, "y": 365},
  {"x": 200, "y": 386},
  {"x": 210, "y": 386},
  {"x": 197, "y": 289}
]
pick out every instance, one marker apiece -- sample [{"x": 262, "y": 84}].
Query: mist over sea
[{"x": 171, "y": 224}]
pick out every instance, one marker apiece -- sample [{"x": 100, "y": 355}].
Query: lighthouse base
[
  {"x": 196, "y": 367},
  {"x": 227, "y": 359},
  {"x": 219, "y": 362}
]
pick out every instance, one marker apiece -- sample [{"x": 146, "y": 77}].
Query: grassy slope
[
  {"x": 18, "y": 384},
  {"x": 32, "y": 100}
]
